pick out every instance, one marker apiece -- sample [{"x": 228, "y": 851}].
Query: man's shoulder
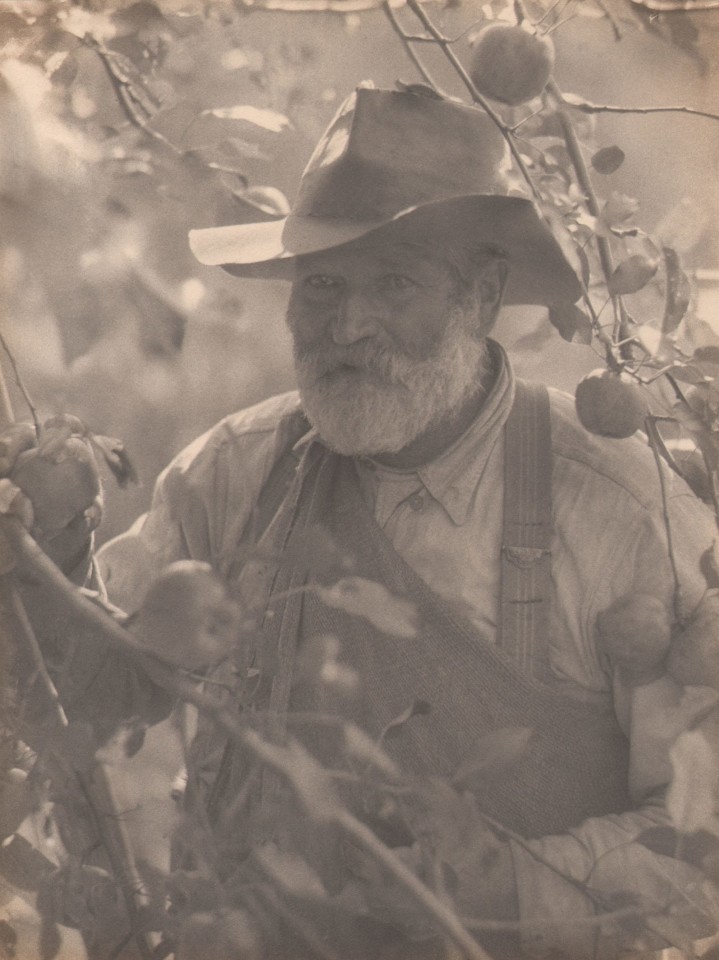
[
  {"x": 266, "y": 417},
  {"x": 257, "y": 425},
  {"x": 625, "y": 465}
]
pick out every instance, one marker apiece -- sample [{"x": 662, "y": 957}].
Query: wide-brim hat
[{"x": 390, "y": 155}]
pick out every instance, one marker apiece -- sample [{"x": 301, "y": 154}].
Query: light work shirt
[{"x": 445, "y": 520}]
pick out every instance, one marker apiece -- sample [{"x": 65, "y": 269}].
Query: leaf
[
  {"x": 618, "y": 209},
  {"x": 373, "y": 601},
  {"x": 668, "y": 842},
  {"x": 493, "y": 755},
  {"x": 22, "y": 865},
  {"x": 708, "y": 564},
  {"x": 293, "y": 874},
  {"x": 691, "y": 794},
  {"x": 572, "y": 323},
  {"x": 358, "y": 744},
  {"x": 162, "y": 317},
  {"x": 418, "y": 708},
  {"x": 309, "y": 780},
  {"x": 686, "y": 372},
  {"x": 267, "y": 119},
  {"x": 678, "y": 292},
  {"x": 608, "y": 159},
  {"x": 708, "y": 354},
  {"x": 117, "y": 459},
  {"x": 631, "y": 275}
]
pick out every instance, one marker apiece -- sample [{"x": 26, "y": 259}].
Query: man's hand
[{"x": 58, "y": 474}]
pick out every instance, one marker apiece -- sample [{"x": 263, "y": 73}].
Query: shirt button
[{"x": 416, "y": 501}]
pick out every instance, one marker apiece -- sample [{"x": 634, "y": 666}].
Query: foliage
[{"x": 100, "y": 106}]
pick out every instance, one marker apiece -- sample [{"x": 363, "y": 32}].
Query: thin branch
[
  {"x": 445, "y": 45},
  {"x": 585, "y": 106},
  {"x": 21, "y": 385},
  {"x": 41, "y": 671},
  {"x": 654, "y": 443},
  {"x": 361, "y": 834},
  {"x": 32, "y": 558},
  {"x": 397, "y": 27},
  {"x": 96, "y": 790},
  {"x": 611, "y": 18},
  {"x": 585, "y": 182}
]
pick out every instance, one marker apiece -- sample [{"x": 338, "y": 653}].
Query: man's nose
[{"x": 358, "y": 317}]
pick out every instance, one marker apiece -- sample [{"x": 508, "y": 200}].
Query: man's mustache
[{"x": 367, "y": 357}]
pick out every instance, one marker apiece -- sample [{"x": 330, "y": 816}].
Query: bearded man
[{"x": 478, "y": 500}]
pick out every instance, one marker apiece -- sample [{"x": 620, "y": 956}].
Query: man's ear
[{"x": 491, "y": 283}]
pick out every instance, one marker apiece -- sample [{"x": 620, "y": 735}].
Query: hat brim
[{"x": 538, "y": 269}]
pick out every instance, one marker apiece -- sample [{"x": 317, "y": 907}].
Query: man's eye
[
  {"x": 321, "y": 281},
  {"x": 397, "y": 281}
]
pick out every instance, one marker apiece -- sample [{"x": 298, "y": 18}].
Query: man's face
[{"x": 384, "y": 349}]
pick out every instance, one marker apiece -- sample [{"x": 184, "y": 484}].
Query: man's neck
[{"x": 440, "y": 437}]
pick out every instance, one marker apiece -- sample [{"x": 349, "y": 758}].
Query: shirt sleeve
[{"x": 601, "y": 866}]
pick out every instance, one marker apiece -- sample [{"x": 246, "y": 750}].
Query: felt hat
[{"x": 394, "y": 154}]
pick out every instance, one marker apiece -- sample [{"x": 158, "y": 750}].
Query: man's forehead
[{"x": 387, "y": 251}]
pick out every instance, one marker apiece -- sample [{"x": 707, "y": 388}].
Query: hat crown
[{"x": 389, "y": 151}]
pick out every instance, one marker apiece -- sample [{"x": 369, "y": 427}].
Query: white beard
[{"x": 388, "y": 399}]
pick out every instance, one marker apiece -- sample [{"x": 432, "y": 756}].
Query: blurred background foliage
[{"x": 124, "y": 124}]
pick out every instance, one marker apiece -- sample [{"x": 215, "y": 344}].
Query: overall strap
[{"x": 526, "y": 560}]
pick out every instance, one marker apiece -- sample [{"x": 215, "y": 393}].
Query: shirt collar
[{"x": 452, "y": 477}]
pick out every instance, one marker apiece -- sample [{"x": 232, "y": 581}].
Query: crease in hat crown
[{"x": 390, "y": 154}]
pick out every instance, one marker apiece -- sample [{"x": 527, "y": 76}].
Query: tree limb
[{"x": 33, "y": 560}]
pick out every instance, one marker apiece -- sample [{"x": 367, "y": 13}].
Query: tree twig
[
  {"x": 21, "y": 385},
  {"x": 32, "y": 559},
  {"x": 445, "y": 44},
  {"x": 585, "y": 182},
  {"x": 405, "y": 38},
  {"x": 585, "y": 106}
]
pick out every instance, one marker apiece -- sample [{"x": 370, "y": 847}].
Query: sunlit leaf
[
  {"x": 608, "y": 159},
  {"x": 359, "y": 745},
  {"x": 291, "y": 872},
  {"x": 631, "y": 275},
  {"x": 692, "y": 792},
  {"x": 310, "y": 782},
  {"x": 267, "y": 119},
  {"x": 574, "y": 100},
  {"x": 373, "y": 601},
  {"x": 651, "y": 339},
  {"x": 572, "y": 323}
]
